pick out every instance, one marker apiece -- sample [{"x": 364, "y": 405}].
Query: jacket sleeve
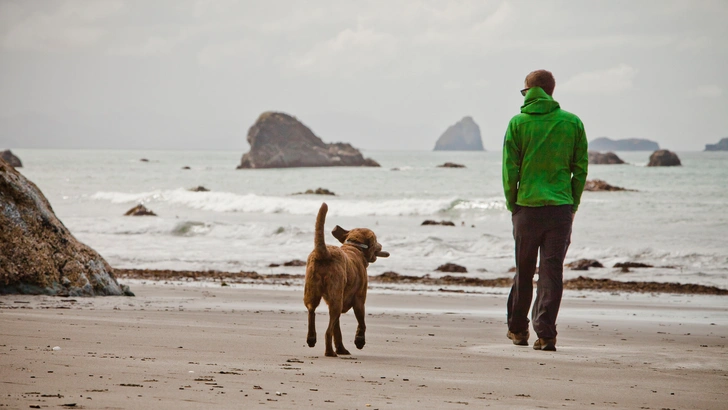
[
  {"x": 579, "y": 166},
  {"x": 511, "y": 167}
]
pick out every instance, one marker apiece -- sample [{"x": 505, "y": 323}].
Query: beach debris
[
  {"x": 584, "y": 264},
  {"x": 295, "y": 262},
  {"x": 451, "y": 165},
  {"x": 664, "y": 158},
  {"x": 606, "y": 158},
  {"x": 443, "y": 223},
  {"x": 597, "y": 185},
  {"x": 451, "y": 268},
  {"x": 199, "y": 188},
  {"x": 56, "y": 348},
  {"x": 139, "y": 210},
  {"x": 317, "y": 191}
]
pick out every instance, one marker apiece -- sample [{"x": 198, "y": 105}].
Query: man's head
[{"x": 543, "y": 79}]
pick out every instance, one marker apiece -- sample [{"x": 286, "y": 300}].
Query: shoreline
[{"x": 195, "y": 346}]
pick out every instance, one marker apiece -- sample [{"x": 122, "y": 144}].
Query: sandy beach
[{"x": 179, "y": 346}]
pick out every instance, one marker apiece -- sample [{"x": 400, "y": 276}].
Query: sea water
[{"x": 675, "y": 219}]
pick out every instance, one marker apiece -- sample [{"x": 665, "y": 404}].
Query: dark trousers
[{"x": 546, "y": 231}]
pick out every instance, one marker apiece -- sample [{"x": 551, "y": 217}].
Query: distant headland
[
  {"x": 631, "y": 144},
  {"x": 722, "y": 145}
]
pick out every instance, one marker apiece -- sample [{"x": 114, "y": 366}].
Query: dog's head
[{"x": 363, "y": 239}]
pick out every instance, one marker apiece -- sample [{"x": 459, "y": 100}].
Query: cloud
[
  {"x": 708, "y": 91},
  {"x": 153, "y": 45},
  {"x": 73, "y": 24},
  {"x": 611, "y": 81},
  {"x": 215, "y": 55}
]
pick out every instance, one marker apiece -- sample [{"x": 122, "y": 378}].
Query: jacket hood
[{"x": 538, "y": 102}]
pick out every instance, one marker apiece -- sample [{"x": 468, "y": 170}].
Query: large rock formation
[
  {"x": 38, "y": 255},
  {"x": 722, "y": 145},
  {"x": 278, "y": 140},
  {"x": 664, "y": 158},
  {"x": 463, "y": 136},
  {"x": 11, "y": 159},
  {"x": 608, "y": 158},
  {"x": 631, "y": 144}
]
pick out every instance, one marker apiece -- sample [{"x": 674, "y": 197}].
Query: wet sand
[{"x": 179, "y": 346}]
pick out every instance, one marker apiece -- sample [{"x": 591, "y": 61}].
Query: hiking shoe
[
  {"x": 519, "y": 339},
  {"x": 545, "y": 344}
]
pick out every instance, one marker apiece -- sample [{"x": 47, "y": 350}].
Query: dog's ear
[
  {"x": 383, "y": 254},
  {"x": 340, "y": 233}
]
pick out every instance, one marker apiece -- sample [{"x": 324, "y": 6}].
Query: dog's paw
[
  {"x": 342, "y": 350},
  {"x": 311, "y": 341},
  {"x": 359, "y": 342}
]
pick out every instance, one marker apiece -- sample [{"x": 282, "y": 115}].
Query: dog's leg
[
  {"x": 334, "y": 313},
  {"x": 338, "y": 340},
  {"x": 361, "y": 328},
  {"x": 312, "y": 302}
]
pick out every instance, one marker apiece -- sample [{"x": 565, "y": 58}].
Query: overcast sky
[{"x": 195, "y": 74}]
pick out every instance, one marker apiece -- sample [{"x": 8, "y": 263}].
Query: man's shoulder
[{"x": 569, "y": 116}]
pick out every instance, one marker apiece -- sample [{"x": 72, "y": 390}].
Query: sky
[{"x": 381, "y": 75}]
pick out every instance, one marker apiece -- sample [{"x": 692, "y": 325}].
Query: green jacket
[{"x": 545, "y": 155}]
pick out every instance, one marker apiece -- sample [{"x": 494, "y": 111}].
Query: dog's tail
[{"x": 318, "y": 239}]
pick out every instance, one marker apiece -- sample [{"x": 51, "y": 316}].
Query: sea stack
[
  {"x": 278, "y": 140},
  {"x": 664, "y": 158},
  {"x": 38, "y": 255},
  {"x": 722, "y": 145},
  {"x": 462, "y": 136}
]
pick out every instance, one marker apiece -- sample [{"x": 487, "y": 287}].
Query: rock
[
  {"x": 722, "y": 145},
  {"x": 295, "y": 262},
  {"x": 38, "y": 255},
  {"x": 199, "y": 188},
  {"x": 186, "y": 167},
  {"x": 632, "y": 265},
  {"x": 584, "y": 264},
  {"x": 451, "y": 165},
  {"x": 431, "y": 222},
  {"x": 599, "y": 185},
  {"x": 608, "y": 158},
  {"x": 139, "y": 210},
  {"x": 631, "y": 144},
  {"x": 451, "y": 268},
  {"x": 663, "y": 158},
  {"x": 463, "y": 136},
  {"x": 11, "y": 159},
  {"x": 144, "y": 160},
  {"x": 318, "y": 191},
  {"x": 278, "y": 140}
]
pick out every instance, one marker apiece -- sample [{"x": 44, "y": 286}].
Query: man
[{"x": 544, "y": 171}]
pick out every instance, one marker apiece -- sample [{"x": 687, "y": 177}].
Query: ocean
[{"x": 676, "y": 220}]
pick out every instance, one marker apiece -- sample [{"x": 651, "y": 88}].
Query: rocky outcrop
[
  {"x": 664, "y": 158},
  {"x": 199, "y": 188},
  {"x": 452, "y": 268},
  {"x": 462, "y": 136},
  {"x": 451, "y": 165},
  {"x": 584, "y": 264},
  {"x": 11, "y": 159},
  {"x": 608, "y": 158},
  {"x": 444, "y": 223},
  {"x": 278, "y": 140},
  {"x": 722, "y": 145},
  {"x": 317, "y": 191},
  {"x": 631, "y": 144},
  {"x": 597, "y": 185},
  {"x": 139, "y": 210},
  {"x": 38, "y": 255}
]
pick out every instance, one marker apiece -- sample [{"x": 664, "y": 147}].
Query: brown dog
[{"x": 339, "y": 275}]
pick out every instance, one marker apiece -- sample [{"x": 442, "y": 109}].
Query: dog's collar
[{"x": 358, "y": 245}]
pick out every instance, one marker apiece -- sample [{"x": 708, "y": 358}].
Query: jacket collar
[{"x": 538, "y": 102}]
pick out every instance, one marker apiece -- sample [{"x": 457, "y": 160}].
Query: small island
[
  {"x": 462, "y": 136},
  {"x": 722, "y": 145},
  {"x": 630, "y": 144}
]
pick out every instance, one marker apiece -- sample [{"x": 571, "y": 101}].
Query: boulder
[
  {"x": 632, "y": 265},
  {"x": 608, "y": 158},
  {"x": 317, "y": 191},
  {"x": 599, "y": 185},
  {"x": 451, "y": 165},
  {"x": 462, "y": 136},
  {"x": 199, "y": 188},
  {"x": 630, "y": 144},
  {"x": 663, "y": 158},
  {"x": 584, "y": 264},
  {"x": 38, "y": 255},
  {"x": 431, "y": 222},
  {"x": 11, "y": 159},
  {"x": 278, "y": 140},
  {"x": 722, "y": 145},
  {"x": 452, "y": 268},
  {"x": 139, "y": 210}
]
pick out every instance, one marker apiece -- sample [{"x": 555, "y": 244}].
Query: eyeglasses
[{"x": 523, "y": 92}]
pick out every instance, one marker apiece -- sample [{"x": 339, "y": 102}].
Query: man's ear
[{"x": 340, "y": 233}]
